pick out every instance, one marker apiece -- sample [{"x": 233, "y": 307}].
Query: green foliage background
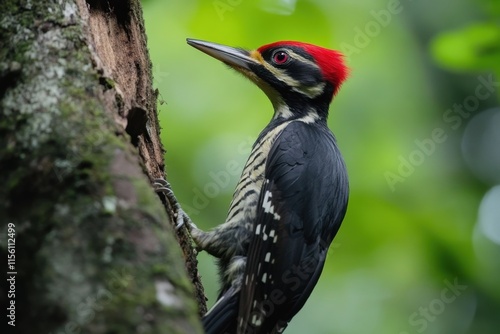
[{"x": 411, "y": 231}]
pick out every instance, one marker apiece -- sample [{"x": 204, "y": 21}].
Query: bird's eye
[{"x": 280, "y": 57}]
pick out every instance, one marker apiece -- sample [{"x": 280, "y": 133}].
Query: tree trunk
[{"x": 87, "y": 245}]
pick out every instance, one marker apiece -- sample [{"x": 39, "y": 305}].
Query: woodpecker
[{"x": 292, "y": 195}]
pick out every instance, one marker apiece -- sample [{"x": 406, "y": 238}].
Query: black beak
[{"x": 237, "y": 58}]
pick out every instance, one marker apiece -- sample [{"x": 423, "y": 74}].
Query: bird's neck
[{"x": 309, "y": 113}]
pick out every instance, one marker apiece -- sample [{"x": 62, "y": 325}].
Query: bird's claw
[{"x": 163, "y": 186}]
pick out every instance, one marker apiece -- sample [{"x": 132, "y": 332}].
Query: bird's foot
[{"x": 182, "y": 219}]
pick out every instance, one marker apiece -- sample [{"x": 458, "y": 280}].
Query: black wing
[{"x": 302, "y": 204}]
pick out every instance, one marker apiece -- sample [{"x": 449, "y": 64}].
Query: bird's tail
[{"x": 221, "y": 318}]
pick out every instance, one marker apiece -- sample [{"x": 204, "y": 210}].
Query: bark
[{"x": 95, "y": 250}]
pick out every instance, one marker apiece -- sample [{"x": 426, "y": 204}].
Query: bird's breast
[{"x": 243, "y": 208}]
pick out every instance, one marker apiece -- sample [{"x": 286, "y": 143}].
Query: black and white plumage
[{"x": 292, "y": 195}]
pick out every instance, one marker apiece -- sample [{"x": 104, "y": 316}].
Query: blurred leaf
[{"x": 476, "y": 47}]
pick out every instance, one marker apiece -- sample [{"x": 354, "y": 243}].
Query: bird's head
[{"x": 297, "y": 77}]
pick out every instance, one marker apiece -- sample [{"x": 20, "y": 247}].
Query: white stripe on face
[{"x": 281, "y": 74}]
